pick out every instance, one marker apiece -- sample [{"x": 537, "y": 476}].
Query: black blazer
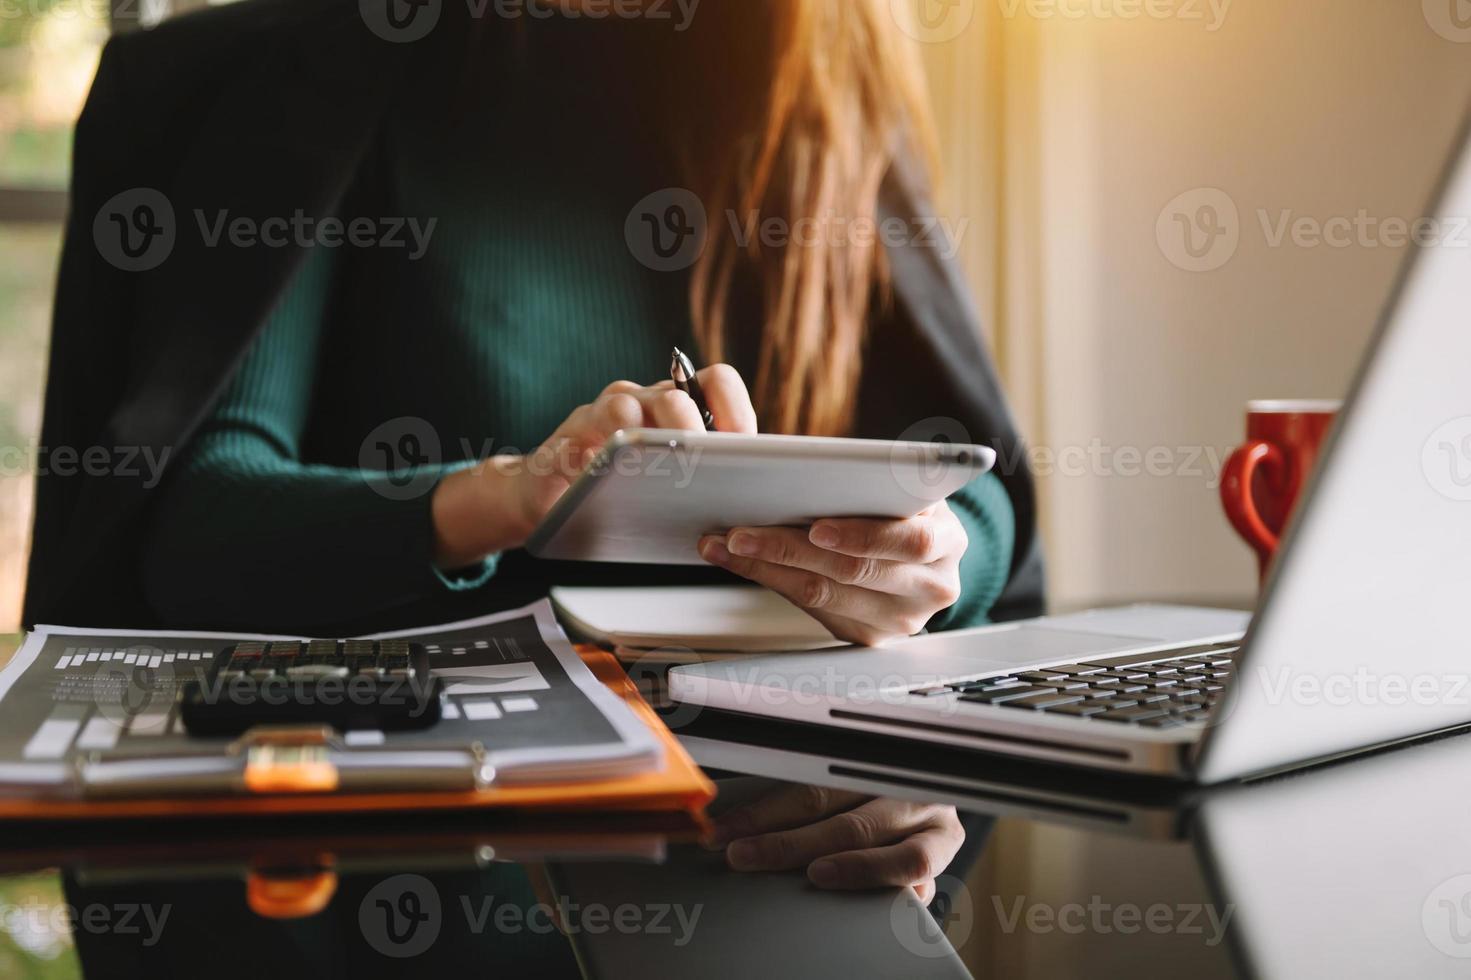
[{"x": 268, "y": 106}]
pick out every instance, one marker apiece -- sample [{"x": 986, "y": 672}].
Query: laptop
[
  {"x": 1360, "y": 638},
  {"x": 1278, "y": 868}
]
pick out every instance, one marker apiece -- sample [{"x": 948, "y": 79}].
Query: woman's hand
[
  {"x": 496, "y": 505},
  {"x": 867, "y": 581},
  {"x": 844, "y": 840}
]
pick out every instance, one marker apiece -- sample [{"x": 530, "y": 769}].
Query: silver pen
[{"x": 682, "y": 370}]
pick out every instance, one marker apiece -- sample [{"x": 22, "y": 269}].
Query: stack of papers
[{"x": 87, "y": 713}]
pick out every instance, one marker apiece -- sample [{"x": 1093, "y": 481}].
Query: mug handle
[{"x": 1236, "y": 496}]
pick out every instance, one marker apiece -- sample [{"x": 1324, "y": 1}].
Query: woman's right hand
[
  {"x": 844, "y": 840},
  {"x": 494, "y": 506}
]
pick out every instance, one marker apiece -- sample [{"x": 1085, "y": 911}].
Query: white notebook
[{"x": 693, "y": 619}]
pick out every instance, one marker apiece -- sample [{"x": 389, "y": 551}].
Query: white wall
[{"x": 1070, "y": 137}]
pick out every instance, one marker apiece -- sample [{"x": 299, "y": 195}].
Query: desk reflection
[
  {"x": 1357, "y": 869},
  {"x": 381, "y": 900}
]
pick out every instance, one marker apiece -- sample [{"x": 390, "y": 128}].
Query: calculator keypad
[
  {"x": 349, "y": 684},
  {"x": 319, "y": 658}
]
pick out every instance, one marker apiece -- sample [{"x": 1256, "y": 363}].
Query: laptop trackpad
[
  {"x": 1007, "y": 649},
  {"x": 912, "y": 662},
  {"x": 967, "y": 653}
]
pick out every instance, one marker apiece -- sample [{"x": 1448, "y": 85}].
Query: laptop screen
[{"x": 1364, "y": 635}]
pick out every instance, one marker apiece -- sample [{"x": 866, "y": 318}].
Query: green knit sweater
[{"x": 283, "y": 511}]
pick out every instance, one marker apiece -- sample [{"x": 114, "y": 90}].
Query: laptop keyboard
[{"x": 1162, "y": 689}]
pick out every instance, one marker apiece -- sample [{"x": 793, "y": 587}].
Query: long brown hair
[
  {"x": 788, "y": 111},
  {"x": 819, "y": 97}
]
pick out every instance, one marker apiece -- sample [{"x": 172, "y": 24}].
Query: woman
[{"x": 271, "y": 370}]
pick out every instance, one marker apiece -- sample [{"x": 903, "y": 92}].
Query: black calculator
[{"x": 382, "y": 685}]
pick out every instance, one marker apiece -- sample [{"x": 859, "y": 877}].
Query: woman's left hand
[{"x": 867, "y": 581}]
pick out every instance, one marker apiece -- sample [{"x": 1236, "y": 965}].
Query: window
[{"x": 48, "y": 56}]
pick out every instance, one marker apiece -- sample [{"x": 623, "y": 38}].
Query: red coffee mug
[{"x": 1263, "y": 479}]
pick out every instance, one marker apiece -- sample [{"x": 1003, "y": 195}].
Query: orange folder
[{"x": 678, "y": 785}]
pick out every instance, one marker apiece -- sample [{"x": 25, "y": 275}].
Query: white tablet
[{"x": 653, "y": 493}]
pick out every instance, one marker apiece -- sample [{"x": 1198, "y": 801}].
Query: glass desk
[{"x": 1362, "y": 868}]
